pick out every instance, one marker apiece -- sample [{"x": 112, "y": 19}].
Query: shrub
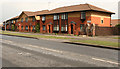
[
  {"x": 37, "y": 28},
  {"x": 13, "y": 28},
  {"x": 118, "y": 25}
]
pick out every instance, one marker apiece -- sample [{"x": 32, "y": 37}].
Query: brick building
[{"x": 68, "y": 19}]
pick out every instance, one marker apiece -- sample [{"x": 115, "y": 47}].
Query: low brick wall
[{"x": 104, "y": 31}]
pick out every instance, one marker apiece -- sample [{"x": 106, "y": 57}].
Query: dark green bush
[{"x": 37, "y": 28}]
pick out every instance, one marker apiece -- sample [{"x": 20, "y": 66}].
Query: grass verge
[
  {"x": 96, "y": 42},
  {"x": 37, "y": 36},
  {"x": 93, "y": 42},
  {"x": 116, "y": 38}
]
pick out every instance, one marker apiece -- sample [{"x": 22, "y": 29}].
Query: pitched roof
[
  {"x": 42, "y": 12},
  {"x": 14, "y": 17},
  {"x": 29, "y": 13},
  {"x": 115, "y": 22},
  {"x": 81, "y": 7}
]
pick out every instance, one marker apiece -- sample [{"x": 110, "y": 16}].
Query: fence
[{"x": 104, "y": 31}]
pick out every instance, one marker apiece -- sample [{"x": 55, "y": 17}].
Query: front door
[
  {"x": 71, "y": 29},
  {"x": 49, "y": 28}
]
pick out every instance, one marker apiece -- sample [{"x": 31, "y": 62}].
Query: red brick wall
[
  {"x": 24, "y": 24},
  {"x": 73, "y": 16},
  {"x": 48, "y": 19}
]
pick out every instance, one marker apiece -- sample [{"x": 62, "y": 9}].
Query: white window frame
[
  {"x": 66, "y": 27},
  {"x": 55, "y": 17},
  {"x": 43, "y": 18},
  {"x": 83, "y": 15}
]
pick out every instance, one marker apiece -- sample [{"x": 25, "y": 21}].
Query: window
[
  {"x": 43, "y": 18},
  {"x": 83, "y": 15},
  {"x": 62, "y": 28},
  {"x": 21, "y": 20},
  {"x": 56, "y": 28},
  {"x": 21, "y": 27},
  {"x": 26, "y": 19},
  {"x": 56, "y": 17},
  {"x": 64, "y": 16},
  {"x": 33, "y": 19},
  {"x": 102, "y": 21},
  {"x": 12, "y": 21},
  {"x": 44, "y": 27},
  {"x": 82, "y": 28},
  {"x": 66, "y": 27},
  {"x": 33, "y": 27},
  {"x": 26, "y": 27}
]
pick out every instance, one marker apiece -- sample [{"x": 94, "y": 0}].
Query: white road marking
[
  {"x": 105, "y": 61},
  {"x": 58, "y": 51},
  {"x": 8, "y": 41},
  {"x": 48, "y": 49}
]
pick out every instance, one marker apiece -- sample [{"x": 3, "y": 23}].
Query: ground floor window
[
  {"x": 56, "y": 28},
  {"x": 43, "y": 27},
  {"x": 26, "y": 27},
  {"x": 33, "y": 27},
  {"x": 21, "y": 27},
  {"x": 64, "y": 28},
  {"x": 82, "y": 28}
]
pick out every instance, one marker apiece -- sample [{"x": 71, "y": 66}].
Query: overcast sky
[{"x": 11, "y": 8}]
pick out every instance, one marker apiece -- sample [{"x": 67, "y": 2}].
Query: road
[{"x": 27, "y": 52}]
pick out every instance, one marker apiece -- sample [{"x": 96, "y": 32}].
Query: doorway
[
  {"x": 49, "y": 28},
  {"x": 71, "y": 29}
]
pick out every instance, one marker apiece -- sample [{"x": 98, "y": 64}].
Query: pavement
[{"x": 26, "y": 52}]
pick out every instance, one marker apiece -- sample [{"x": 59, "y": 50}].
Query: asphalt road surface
[{"x": 27, "y": 52}]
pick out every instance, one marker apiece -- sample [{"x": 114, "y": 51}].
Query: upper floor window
[
  {"x": 21, "y": 20},
  {"x": 102, "y": 21},
  {"x": 64, "y": 16},
  {"x": 26, "y": 19},
  {"x": 33, "y": 19},
  {"x": 12, "y": 21},
  {"x": 43, "y": 18},
  {"x": 56, "y": 17},
  {"x": 83, "y": 15}
]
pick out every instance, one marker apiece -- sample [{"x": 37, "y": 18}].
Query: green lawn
[
  {"x": 37, "y": 36},
  {"x": 96, "y": 42},
  {"x": 116, "y": 38}
]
